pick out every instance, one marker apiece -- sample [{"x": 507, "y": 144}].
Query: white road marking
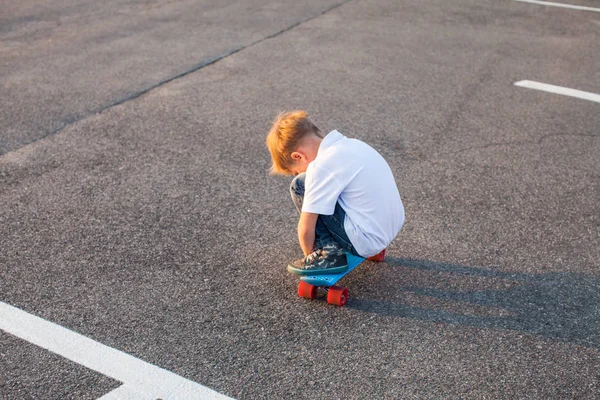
[
  {"x": 559, "y": 90},
  {"x": 140, "y": 379},
  {"x": 548, "y": 3}
]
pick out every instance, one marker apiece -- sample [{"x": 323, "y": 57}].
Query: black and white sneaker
[{"x": 331, "y": 259}]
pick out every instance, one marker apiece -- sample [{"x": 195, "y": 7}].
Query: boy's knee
[{"x": 297, "y": 185}]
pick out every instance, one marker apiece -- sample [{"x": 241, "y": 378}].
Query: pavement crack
[
  {"x": 205, "y": 63},
  {"x": 213, "y": 60}
]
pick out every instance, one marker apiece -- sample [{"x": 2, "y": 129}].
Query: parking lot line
[
  {"x": 548, "y": 3},
  {"x": 559, "y": 90},
  {"x": 140, "y": 379}
]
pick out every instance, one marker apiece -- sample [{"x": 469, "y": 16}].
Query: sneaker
[{"x": 331, "y": 259}]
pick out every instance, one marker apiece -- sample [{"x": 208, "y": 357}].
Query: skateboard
[{"x": 336, "y": 295}]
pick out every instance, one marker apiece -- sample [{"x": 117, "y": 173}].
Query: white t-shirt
[{"x": 354, "y": 174}]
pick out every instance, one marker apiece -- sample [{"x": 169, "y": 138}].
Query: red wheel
[
  {"x": 337, "y": 295},
  {"x": 378, "y": 257},
  {"x": 307, "y": 290}
]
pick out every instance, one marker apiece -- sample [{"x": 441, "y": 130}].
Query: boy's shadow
[{"x": 560, "y": 305}]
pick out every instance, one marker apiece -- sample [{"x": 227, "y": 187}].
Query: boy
[{"x": 344, "y": 190}]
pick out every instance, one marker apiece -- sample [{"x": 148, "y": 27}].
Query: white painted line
[
  {"x": 140, "y": 379},
  {"x": 559, "y": 90},
  {"x": 548, "y": 3}
]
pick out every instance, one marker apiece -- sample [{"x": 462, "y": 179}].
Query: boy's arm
[{"x": 306, "y": 231}]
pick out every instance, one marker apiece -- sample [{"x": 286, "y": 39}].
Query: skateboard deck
[
  {"x": 329, "y": 280},
  {"x": 335, "y": 294}
]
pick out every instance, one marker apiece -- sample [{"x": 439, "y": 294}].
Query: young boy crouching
[{"x": 343, "y": 188}]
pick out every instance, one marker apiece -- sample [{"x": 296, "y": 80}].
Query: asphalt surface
[
  {"x": 64, "y": 60},
  {"x": 136, "y": 207}
]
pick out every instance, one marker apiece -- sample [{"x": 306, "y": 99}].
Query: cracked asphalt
[{"x": 136, "y": 207}]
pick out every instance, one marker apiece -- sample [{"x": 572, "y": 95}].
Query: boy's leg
[
  {"x": 328, "y": 255},
  {"x": 322, "y": 235},
  {"x": 335, "y": 225},
  {"x": 330, "y": 228}
]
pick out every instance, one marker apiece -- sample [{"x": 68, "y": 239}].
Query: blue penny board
[{"x": 331, "y": 279}]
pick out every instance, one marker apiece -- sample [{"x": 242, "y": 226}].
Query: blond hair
[{"x": 288, "y": 129}]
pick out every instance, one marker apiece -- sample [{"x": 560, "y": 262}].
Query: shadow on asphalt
[{"x": 560, "y": 305}]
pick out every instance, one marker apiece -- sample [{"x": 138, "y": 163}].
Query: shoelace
[{"x": 313, "y": 256}]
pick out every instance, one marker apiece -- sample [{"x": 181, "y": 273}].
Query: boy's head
[{"x": 293, "y": 142}]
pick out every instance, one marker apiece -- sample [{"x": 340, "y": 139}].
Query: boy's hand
[{"x": 306, "y": 231}]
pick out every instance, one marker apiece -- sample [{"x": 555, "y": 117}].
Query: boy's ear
[{"x": 297, "y": 156}]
